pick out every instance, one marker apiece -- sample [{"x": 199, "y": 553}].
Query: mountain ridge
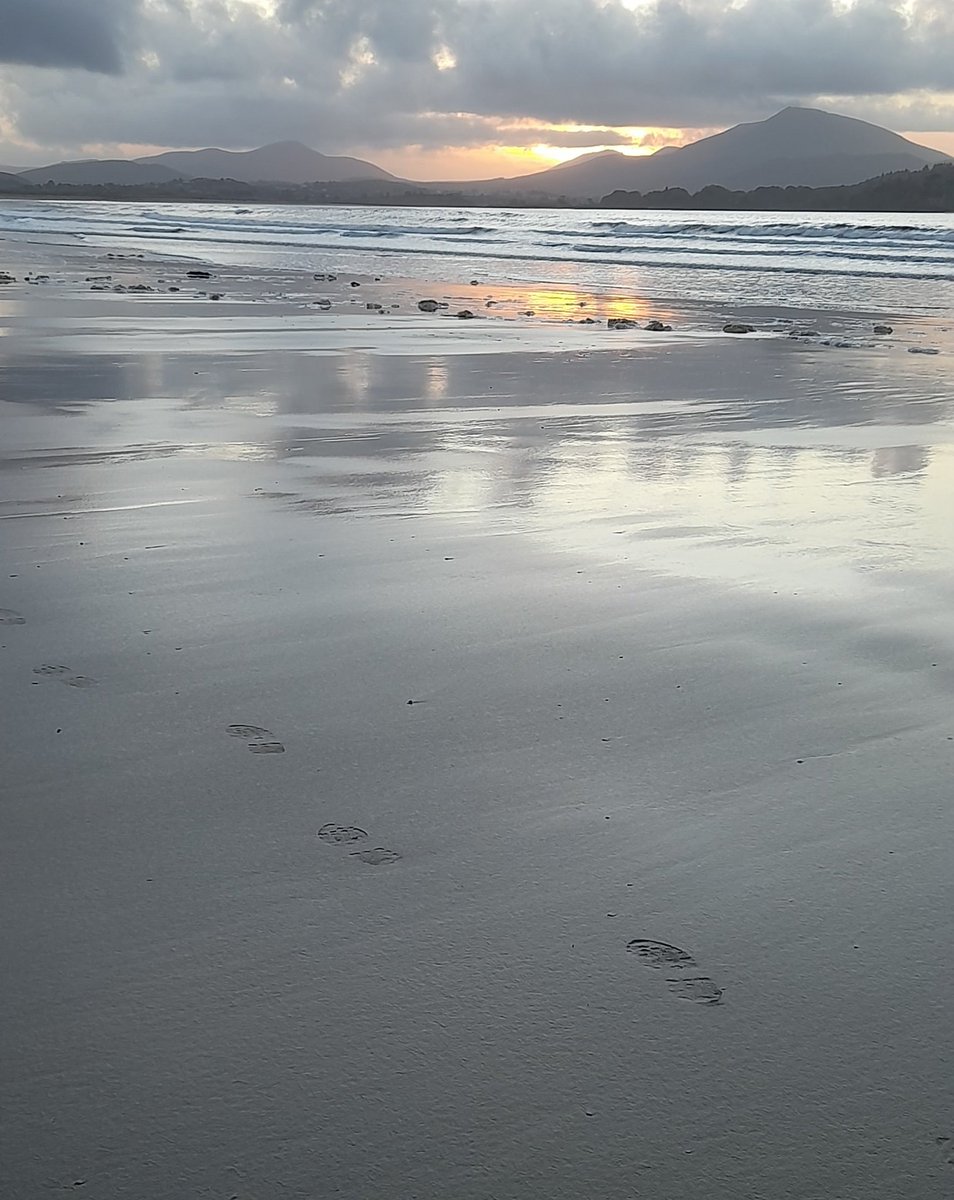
[{"x": 802, "y": 147}]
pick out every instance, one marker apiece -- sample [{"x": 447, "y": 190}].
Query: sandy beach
[{"x": 493, "y": 759}]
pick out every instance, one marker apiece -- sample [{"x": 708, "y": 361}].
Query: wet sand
[{"x": 437, "y": 766}]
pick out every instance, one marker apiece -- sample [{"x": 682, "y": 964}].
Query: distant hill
[
  {"x": 795, "y": 147},
  {"x": 9, "y": 182},
  {"x": 281, "y": 162},
  {"x": 929, "y": 190},
  {"x": 96, "y": 171}
]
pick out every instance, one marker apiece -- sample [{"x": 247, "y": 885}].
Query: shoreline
[{"x": 550, "y": 316}]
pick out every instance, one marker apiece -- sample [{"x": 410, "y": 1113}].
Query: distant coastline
[{"x": 930, "y": 189}]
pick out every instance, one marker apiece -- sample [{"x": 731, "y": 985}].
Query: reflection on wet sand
[{"x": 793, "y": 458}]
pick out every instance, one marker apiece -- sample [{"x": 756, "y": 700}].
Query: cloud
[
  {"x": 433, "y": 73},
  {"x": 86, "y": 34}
]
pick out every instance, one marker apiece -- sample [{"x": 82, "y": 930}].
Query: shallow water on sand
[{"x": 606, "y": 850}]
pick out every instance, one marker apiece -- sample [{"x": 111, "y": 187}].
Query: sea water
[{"x": 887, "y": 261}]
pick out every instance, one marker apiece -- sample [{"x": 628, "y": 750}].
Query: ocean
[{"x": 901, "y": 263}]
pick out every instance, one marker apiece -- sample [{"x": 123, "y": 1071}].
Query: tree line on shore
[{"x": 928, "y": 190}]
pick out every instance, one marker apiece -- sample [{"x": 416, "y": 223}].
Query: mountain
[
  {"x": 282, "y": 162},
  {"x": 11, "y": 182},
  {"x": 96, "y": 171},
  {"x": 795, "y": 147}
]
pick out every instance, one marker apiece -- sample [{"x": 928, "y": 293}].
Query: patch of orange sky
[{"x": 493, "y": 161}]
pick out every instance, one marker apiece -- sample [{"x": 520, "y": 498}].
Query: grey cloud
[
  {"x": 87, "y": 34},
  {"x": 220, "y": 72}
]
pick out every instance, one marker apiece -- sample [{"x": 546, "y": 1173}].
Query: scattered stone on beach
[
  {"x": 322, "y": 304},
  {"x": 215, "y": 295},
  {"x": 354, "y": 283},
  {"x": 6, "y": 278},
  {"x": 491, "y": 304},
  {"x": 588, "y": 321},
  {"x": 173, "y": 289},
  {"x": 199, "y": 274},
  {"x": 922, "y": 350},
  {"x": 738, "y": 327},
  {"x": 98, "y": 287},
  {"x": 140, "y": 287},
  {"x": 465, "y": 315},
  {"x": 325, "y": 278},
  {"x": 883, "y": 329},
  {"x": 475, "y": 283},
  {"x": 658, "y": 327},
  {"x": 428, "y": 305},
  {"x": 374, "y": 307},
  {"x": 621, "y": 323},
  {"x": 528, "y": 312},
  {"x": 803, "y": 333},
  {"x": 119, "y": 287}
]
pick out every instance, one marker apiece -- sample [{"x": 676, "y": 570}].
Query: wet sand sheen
[{"x": 646, "y": 891}]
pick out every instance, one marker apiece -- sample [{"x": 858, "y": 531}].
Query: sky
[{"x": 456, "y": 89}]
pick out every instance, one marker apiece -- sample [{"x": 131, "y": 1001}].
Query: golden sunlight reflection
[{"x": 565, "y": 304}]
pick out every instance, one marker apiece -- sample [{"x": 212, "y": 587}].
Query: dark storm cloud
[{"x": 64, "y": 33}]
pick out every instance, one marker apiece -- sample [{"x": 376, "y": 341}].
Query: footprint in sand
[
  {"x": 65, "y": 675},
  {"x": 258, "y": 739},
  {"x": 380, "y": 856},
  {"x": 678, "y": 965},
  {"x": 9, "y": 617},
  {"x": 344, "y": 835},
  {"x": 339, "y": 835}
]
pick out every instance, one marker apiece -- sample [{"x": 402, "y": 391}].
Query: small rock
[
  {"x": 587, "y": 321},
  {"x": 428, "y": 305},
  {"x": 803, "y": 333},
  {"x": 172, "y": 289},
  {"x": 528, "y": 312},
  {"x": 5, "y": 278},
  {"x": 215, "y": 295},
  {"x": 658, "y": 327},
  {"x": 621, "y": 323},
  {"x": 921, "y": 350},
  {"x": 738, "y": 327},
  {"x": 199, "y": 274},
  {"x": 883, "y": 329},
  {"x": 373, "y": 307},
  {"x": 323, "y": 304},
  {"x": 354, "y": 283},
  {"x": 475, "y": 283},
  {"x": 465, "y": 315},
  {"x": 139, "y": 287},
  {"x": 325, "y": 278}
]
